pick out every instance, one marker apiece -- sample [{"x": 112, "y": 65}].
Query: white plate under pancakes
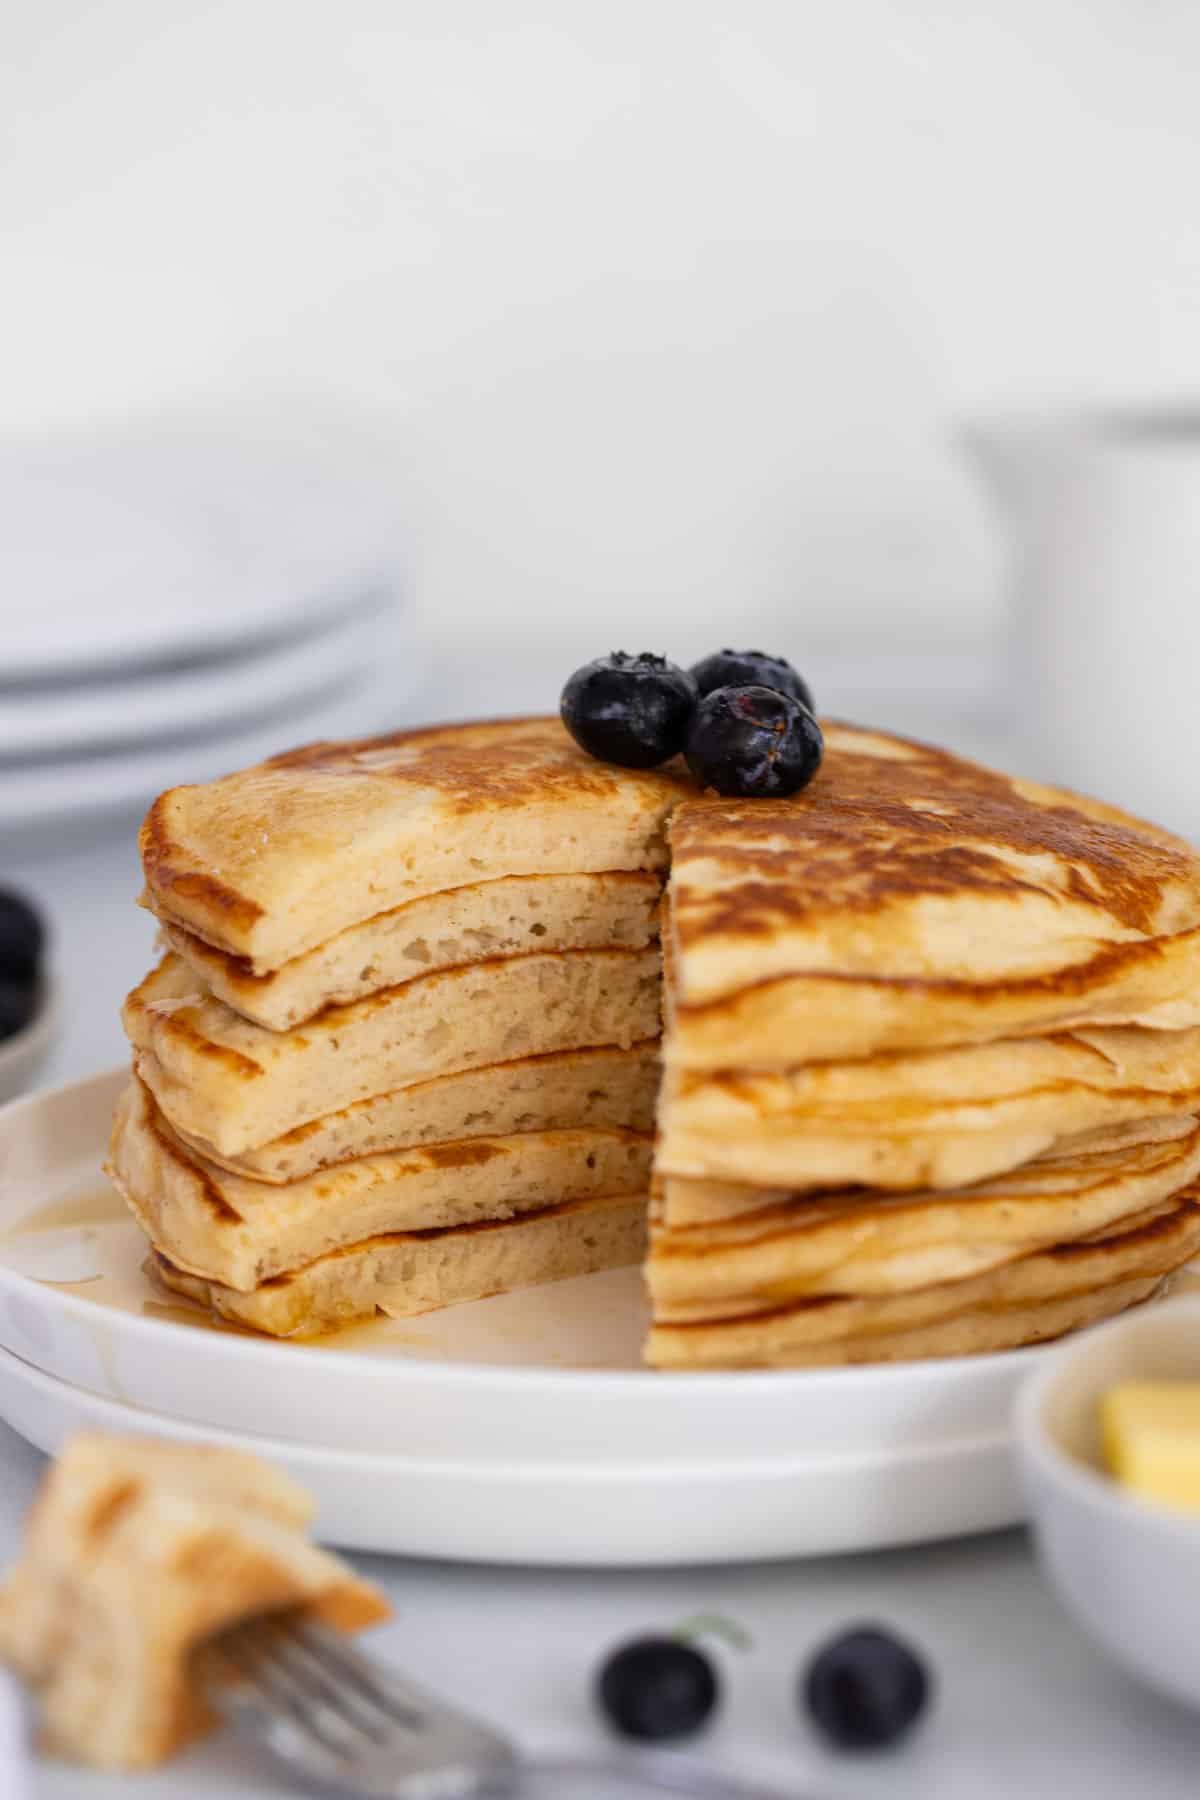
[{"x": 517, "y": 1429}]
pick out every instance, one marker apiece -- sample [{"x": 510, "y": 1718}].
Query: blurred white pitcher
[{"x": 1104, "y": 510}]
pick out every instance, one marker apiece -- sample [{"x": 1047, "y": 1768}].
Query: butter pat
[{"x": 1151, "y": 1437}]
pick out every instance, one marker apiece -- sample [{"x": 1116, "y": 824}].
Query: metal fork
[{"x": 344, "y": 1723}]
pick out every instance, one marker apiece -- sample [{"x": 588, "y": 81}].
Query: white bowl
[
  {"x": 22, "y": 1055},
  {"x": 1127, "y": 1568}
]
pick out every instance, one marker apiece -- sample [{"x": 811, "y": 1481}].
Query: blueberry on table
[
  {"x": 751, "y": 668},
  {"x": 18, "y": 1003},
  {"x": 22, "y": 937},
  {"x": 631, "y": 710},
  {"x": 657, "y": 1688},
  {"x": 753, "y": 741},
  {"x": 866, "y": 1689}
]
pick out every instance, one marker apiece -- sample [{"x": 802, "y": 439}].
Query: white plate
[
  {"x": 521, "y": 1427},
  {"x": 41, "y": 719},
  {"x": 561, "y": 1514},
  {"x": 180, "y": 543},
  {"x": 44, "y": 793}
]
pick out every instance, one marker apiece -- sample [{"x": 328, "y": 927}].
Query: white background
[{"x": 659, "y": 310}]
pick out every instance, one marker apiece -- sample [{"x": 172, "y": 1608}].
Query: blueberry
[
  {"x": 18, "y": 1003},
  {"x": 753, "y": 741},
  {"x": 866, "y": 1689},
  {"x": 632, "y": 710},
  {"x": 658, "y": 1688},
  {"x": 751, "y": 668},
  {"x": 22, "y": 937}
]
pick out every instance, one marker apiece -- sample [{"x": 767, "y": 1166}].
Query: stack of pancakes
[
  {"x": 401, "y": 1049},
  {"x": 932, "y": 1066},
  {"x": 931, "y": 1059}
]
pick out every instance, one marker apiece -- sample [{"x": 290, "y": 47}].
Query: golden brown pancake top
[
  {"x": 269, "y": 861},
  {"x": 889, "y": 819}
]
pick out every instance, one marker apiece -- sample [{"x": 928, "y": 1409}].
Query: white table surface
[{"x": 1026, "y": 1705}]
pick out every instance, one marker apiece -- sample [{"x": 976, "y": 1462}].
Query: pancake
[
  {"x": 942, "y": 1118},
  {"x": 1038, "y": 1297},
  {"x": 682, "y": 1201},
  {"x": 73, "y": 1507},
  {"x": 135, "y": 1555},
  {"x": 274, "y": 860},
  {"x": 235, "y": 1085},
  {"x": 404, "y": 1275},
  {"x": 241, "y": 1232},
  {"x": 917, "y": 976},
  {"x": 909, "y": 899},
  {"x": 509, "y": 917},
  {"x": 862, "y": 1243},
  {"x": 974, "y": 1334},
  {"x": 572, "y": 1088}
]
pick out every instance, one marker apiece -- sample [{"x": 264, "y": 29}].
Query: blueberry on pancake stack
[
  {"x": 932, "y": 1065},
  {"x": 401, "y": 1049},
  {"x": 931, "y": 1059}
]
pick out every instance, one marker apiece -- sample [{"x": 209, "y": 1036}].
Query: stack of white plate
[
  {"x": 517, "y": 1429},
  {"x": 171, "y": 607}
]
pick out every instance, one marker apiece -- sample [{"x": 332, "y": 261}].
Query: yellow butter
[{"x": 1151, "y": 1436}]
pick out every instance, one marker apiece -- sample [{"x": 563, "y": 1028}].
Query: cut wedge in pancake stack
[
  {"x": 932, "y": 1066},
  {"x": 930, "y": 1069},
  {"x": 401, "y": 1049}
]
